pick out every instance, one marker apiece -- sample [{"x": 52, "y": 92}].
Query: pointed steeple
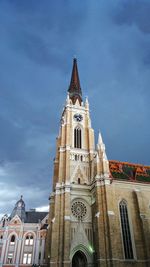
[{"x": 74, "y": 88}]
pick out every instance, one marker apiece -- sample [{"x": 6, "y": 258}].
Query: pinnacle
[{"x": 100, "y": 140}]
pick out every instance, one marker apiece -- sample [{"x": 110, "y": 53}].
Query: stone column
[
  {"x": 34, "y": 249},
  {"x": 4, "y": 247},
  {"x": 37, "y": 246},
  {"x": 144, "y": 223},
  {"x": 18, "y": 251},
  {"x": 66, "y": 259},
  {"x": 42, "y": 250},
  {"x": 103, "y": 251},
  {"x": 54, "y": 254}
]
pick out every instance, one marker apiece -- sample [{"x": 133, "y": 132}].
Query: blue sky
[{"x": 38, "y": 40}]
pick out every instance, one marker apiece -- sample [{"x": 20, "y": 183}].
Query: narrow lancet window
[
  {"x": 12, "y": 241},
  {"x": 126, "y": 235},
  {"x": 77, "y": 138}
]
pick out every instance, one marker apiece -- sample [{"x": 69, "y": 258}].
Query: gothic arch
[
  {"x": 23, "y": 245},
  {"x": 79, "y": 259},
  {"x": 29, "y": 233},
  {"x": 78, "y": 172},
  {"x": 13, "y": 234},
  {"x": 126, "y": 230},
  {"x": 81, "y": 248},
  {"x": 8, "y": 245}
]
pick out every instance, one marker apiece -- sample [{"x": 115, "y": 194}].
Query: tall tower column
[{"x": 77, "y": 167}]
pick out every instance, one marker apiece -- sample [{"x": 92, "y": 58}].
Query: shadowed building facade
[{"x": 99, "y": 210}]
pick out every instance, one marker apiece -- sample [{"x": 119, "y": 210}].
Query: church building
[{"x": 99, "y": 209}]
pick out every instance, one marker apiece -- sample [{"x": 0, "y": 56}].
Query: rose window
[{"x": 79, "y": 210}]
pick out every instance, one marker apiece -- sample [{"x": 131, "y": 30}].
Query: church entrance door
[{"x": 79, "y": 260}]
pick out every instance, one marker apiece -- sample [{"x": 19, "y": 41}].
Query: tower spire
[{"x": 74, "y": 88}]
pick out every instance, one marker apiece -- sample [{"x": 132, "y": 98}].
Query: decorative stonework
[{"x": 79, "y": 210}]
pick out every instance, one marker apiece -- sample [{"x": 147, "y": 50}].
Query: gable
[{"x": 15, "y": 220}]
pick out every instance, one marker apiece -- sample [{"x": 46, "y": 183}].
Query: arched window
[
  {"x": 12, "y": 240},
  {"x": 77, "y": 138},
  {"x": 126, "y": 235},
  {"x": 29, "y": 240}
]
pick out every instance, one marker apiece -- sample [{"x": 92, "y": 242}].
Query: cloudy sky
[{"x": 38, "y": 40}]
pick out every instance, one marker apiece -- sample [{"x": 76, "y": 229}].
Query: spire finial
[
  {"x": 86, "y": 103},
  {"x": 74, "y": 88},
  {"x": 100, "y": 140}
]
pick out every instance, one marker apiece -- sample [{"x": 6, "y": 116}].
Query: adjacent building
[{"x": 22, "y": 237}]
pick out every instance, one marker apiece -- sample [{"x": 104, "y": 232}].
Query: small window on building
[
  {"x": 12, "y": 240},
  {"x": 126, "y": 234},
  {"x": 29, "y": 240},
  {"x": 27, "y": 258},
  {"x": 79, "y": 180},
  {"x": 10, "y": 258},
  {"x": 1, "y": 239}
]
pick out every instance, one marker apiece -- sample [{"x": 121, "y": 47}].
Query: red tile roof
[{"x": 129, "y": 171}]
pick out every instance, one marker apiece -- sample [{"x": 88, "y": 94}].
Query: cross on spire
[{"x": 74, "y": 88}]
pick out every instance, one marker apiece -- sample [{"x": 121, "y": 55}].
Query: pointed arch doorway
[{"x": 79, "y": 259}]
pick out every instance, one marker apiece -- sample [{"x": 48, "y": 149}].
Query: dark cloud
[
  {"x": 38, "y": 41},
  {"x": 134, "y": 13}
]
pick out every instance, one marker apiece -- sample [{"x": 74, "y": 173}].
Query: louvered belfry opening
[{"x": 77, "y": 138}]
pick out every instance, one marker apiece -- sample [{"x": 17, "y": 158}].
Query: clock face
[
  {"x": 78, "y": 117},
  {"x": 19, "y": 204}
]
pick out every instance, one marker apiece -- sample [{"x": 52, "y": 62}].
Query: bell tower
[{"x": 78, "y": 166}]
